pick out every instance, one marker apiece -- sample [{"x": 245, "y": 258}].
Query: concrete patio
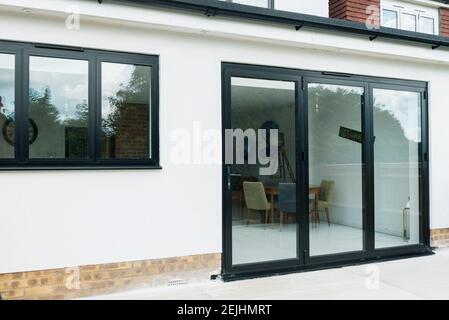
[{"x": 416, "y": 278}]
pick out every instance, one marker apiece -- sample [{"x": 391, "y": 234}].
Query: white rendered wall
[{"x": 54, "y": 219}]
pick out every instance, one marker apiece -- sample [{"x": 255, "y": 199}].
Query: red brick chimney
[
  {"x": 356, "y": 10},
  {"x": 444, "y": 22}
]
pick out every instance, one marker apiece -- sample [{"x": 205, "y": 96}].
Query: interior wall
[
  {"x": 332, "y": 157},
  {"x": 252, "y": 107},
  {"x": 65, "y": 218}
]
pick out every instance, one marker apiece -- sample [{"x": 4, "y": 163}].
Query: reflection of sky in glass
[
  {"x": 67, "y": 80},
  {"x": 389, "y": 18},
  {"x": 114, "y": 77},
  {"x": 260, "y": 83},
  {"x": 404, "y": 107},
  {"x": 337, "y": 88},
  {"x": 7, "y": 83}
]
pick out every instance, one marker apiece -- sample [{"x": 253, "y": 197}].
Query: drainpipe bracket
[
  {"x": 299, "y": 27},
  {"x": 210, "y": 12}
]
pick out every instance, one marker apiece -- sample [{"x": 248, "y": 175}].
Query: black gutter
[{"x": 296, "y": 20}]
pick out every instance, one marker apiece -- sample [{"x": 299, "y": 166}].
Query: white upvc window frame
[
  {"x": 428, "y": 16},
  {"x": 419, "y": 14},
  {"x": 411, "y": 13}
]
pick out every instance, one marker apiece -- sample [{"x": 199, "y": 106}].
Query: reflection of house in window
[
  {"x": 131, "y": 135},
  {"x": 125, "y": 111}
]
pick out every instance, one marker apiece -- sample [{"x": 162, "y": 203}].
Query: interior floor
[{"x": 261, "y": 242}]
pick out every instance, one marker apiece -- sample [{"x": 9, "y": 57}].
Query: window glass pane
[
  {"x": 335, "y": 168},
  {"x": 7, "y": 137},
  {"x": 58, "y": 114},
  {"x": 427, "y": 25},
  {"x": 257, "y": 3},
  {"x": 125, "y": 111},
  {"x": 408, "y": 22},
  {"x": 264, "y": 207},
  {"x": 389, "y": 18},
  {"x": 397, "y": 131}
]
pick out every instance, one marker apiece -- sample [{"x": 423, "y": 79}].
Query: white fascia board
[{"x": 178, "y": 21}]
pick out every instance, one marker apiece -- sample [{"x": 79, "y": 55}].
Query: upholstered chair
[
  {"x": 256, "y": 198},
  {"x": 327, "y": 191}
]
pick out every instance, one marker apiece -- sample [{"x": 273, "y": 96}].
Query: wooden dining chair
[{"x": 256, "y": 199}]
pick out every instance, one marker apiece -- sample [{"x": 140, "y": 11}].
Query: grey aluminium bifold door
[
  {"x": 261, "y": 168},
  {"x": 310, "y": 163}
]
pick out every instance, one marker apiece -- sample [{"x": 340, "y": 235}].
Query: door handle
[{"x": 235, "y": 175}]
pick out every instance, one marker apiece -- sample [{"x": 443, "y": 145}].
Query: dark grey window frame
[{"x": 21, "y": 161}]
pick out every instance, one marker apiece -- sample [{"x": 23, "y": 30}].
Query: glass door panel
[
  {"x": 397, "y": 145},
  {"x": 261, "y": 164},
  {"x": 335, "y": 141}
]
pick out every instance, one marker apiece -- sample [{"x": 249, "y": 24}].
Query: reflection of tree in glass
[
  {"x": 42, "y": 108},
  {"x": 137, "y": 90},
  {"x": 81, "y": 116},
  {"x": 42, "y": 111},
  {"x": 58, "y": 132},
  {"x": 391, "y": 141},
  {"x": 330, "y": 108}
]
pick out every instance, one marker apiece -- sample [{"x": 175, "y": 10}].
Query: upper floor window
[
  {"x": 398, "y": 15},
  {"x": 427, "y": 24},
  {"x": 390, "y": 18}
]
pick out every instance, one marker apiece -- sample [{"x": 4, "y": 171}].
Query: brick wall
[
  {"x": 439, "y": 237},
  {"x": 354, "y": 10},
  {"x": 90, "y": 280},
  {"x": 132, "y": 132},
  {"x": 131, "y": 136},
  {"x": 444, "y": 22}
]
